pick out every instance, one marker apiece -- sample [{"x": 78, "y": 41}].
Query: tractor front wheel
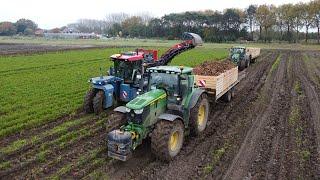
[
  {"x": 199, "y": 115},
  {"x": 88, "y": 101},
  {"x": 115, "y": 121},
  {"x": 98, "y": 102},
  {"x": 167, "y": 139}
]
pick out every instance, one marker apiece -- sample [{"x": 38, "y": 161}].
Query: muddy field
[
  {"x": 270, "y": 130},
  {"x": 13, "y": 49}
]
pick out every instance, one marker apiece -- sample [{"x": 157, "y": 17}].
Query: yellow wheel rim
[
  {"x": 173, "y": 141},
  {"x": 201, "y": 115}
]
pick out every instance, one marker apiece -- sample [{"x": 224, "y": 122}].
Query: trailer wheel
[
  {"x": 115, "y": 121},
  {"x": 252, "y": 60},
  {"x": 227, "y": 96},
  {"x": 98, "y": 102},
  {"x": 88, "y": 101},
  {"x": 248, "y": 62},
  {"x": 199, "y": 115},
  {"x": 167, "y": 139},
  {"x": 232, "y": 92}
]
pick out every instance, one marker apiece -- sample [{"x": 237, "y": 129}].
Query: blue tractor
[{"x": 126, "y": 78}]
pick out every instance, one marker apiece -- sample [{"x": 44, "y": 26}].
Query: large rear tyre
[
  {"x": 98, "y": 102},
  {"x": 115, "y": 121},
  {"x": 242, "y": 65},
  {"x": 199, "y": 115},
  {"x": 167, "y": 139},
  {"x": 88, "y": 101}
]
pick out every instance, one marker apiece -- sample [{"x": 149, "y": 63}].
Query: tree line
[
  {"x": 22, "y": 26},
  {"x": 287, "y": 22}
]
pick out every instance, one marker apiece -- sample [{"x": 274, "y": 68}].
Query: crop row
[{"x": 40, "y": 88}]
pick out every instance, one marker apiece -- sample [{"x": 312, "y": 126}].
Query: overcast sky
[{"x": 56, "y": 13}]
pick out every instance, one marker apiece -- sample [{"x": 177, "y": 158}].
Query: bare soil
[{"x": 270, "y": 130}]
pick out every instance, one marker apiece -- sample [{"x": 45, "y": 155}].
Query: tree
[
  {"x": 280, "y": 21},
  {"x": 7, "y": 29},
  {"x": 250, "y": 15},
  {"x": 307, "y": 17},
  {"x": 133, "y": 26},
  {"x": 315, "y": 5},
  {"x": 297, "y": 12},
  {"x": 288, "y": 16},
  {"x": 23, "y": 24},
  {"x": 266, "y": 18}
]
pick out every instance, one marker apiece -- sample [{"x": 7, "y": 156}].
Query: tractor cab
[
  {"x": 128, "y": 65},
  {"x": 237, "y": 53},
  {"x": 174, "y": 80}
]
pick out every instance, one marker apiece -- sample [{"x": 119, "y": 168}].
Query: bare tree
[
  {"x": 307, "y": 17},
  {"x": 250, "y": 14}
]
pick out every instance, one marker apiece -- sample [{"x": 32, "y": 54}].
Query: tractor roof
[
  {"x": 238, "y": 47},
  {"x": 170, "y": 69},
  {"x": 128, "y": 56}
]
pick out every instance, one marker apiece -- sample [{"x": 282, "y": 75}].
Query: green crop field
[{"x": 39, "y": 88}]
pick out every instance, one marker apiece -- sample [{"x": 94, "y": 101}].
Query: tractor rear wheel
[
  {"x": 167, "y": 139},
  {"x": 98, "y": 102},
  {"x": 199, "y": 115},
  {"x": 115, "y": 121},
  {"x": 88, "y": 101},
  {"x": 242, "y": 65}
]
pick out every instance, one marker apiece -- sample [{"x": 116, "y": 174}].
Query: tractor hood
[
  {"x": 145, "y": 99},
  {"x": 102, "y": 80}
]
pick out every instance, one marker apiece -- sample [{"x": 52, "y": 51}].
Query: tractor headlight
[
  {"x": 128, "y": 110},
  {"x": 139, "y": 111}
]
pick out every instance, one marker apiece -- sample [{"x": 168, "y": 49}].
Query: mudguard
[
  {"x": 108, "y": 93},
  {"x": 169, "y": 117},
  {"x": 121, "y": 109},
  {"x": 195, "y": 97}
]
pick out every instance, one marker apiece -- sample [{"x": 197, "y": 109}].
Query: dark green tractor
[
  {"x": 172, "y": 108},
  {"x": 238, "y": 56}
]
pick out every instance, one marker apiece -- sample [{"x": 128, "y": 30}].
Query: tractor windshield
[
  {"x": 236, "y": 50},
  {"x": 124, "y": 69},
  {"x": 169, "y": 82}
]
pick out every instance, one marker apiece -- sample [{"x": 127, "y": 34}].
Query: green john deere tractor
[
  {"x": 172, "y": 108},
  {"x": 238, "y": 56}
]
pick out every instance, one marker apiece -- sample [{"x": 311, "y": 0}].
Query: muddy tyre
[
  {"x": 199, "y": 115},
  {"x": 242, "y": 65},
  {"x": 115, "y": 121},
  {"x": 167, "y": 139},
  {"x": 88, "y": 101},
  {"x": 252, "y": 60},
  {"x": 98, "y": 102},
  {"x": 248, "y": 63},
  {"x": 227, "y": 96}
]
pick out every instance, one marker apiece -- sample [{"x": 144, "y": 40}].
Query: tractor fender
[
  {"x": 108, "y": 90},
  {"x": 195, "y": 97},
  {"x": 169, "y": 117},
  {"x": 121, "y": 109}
]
